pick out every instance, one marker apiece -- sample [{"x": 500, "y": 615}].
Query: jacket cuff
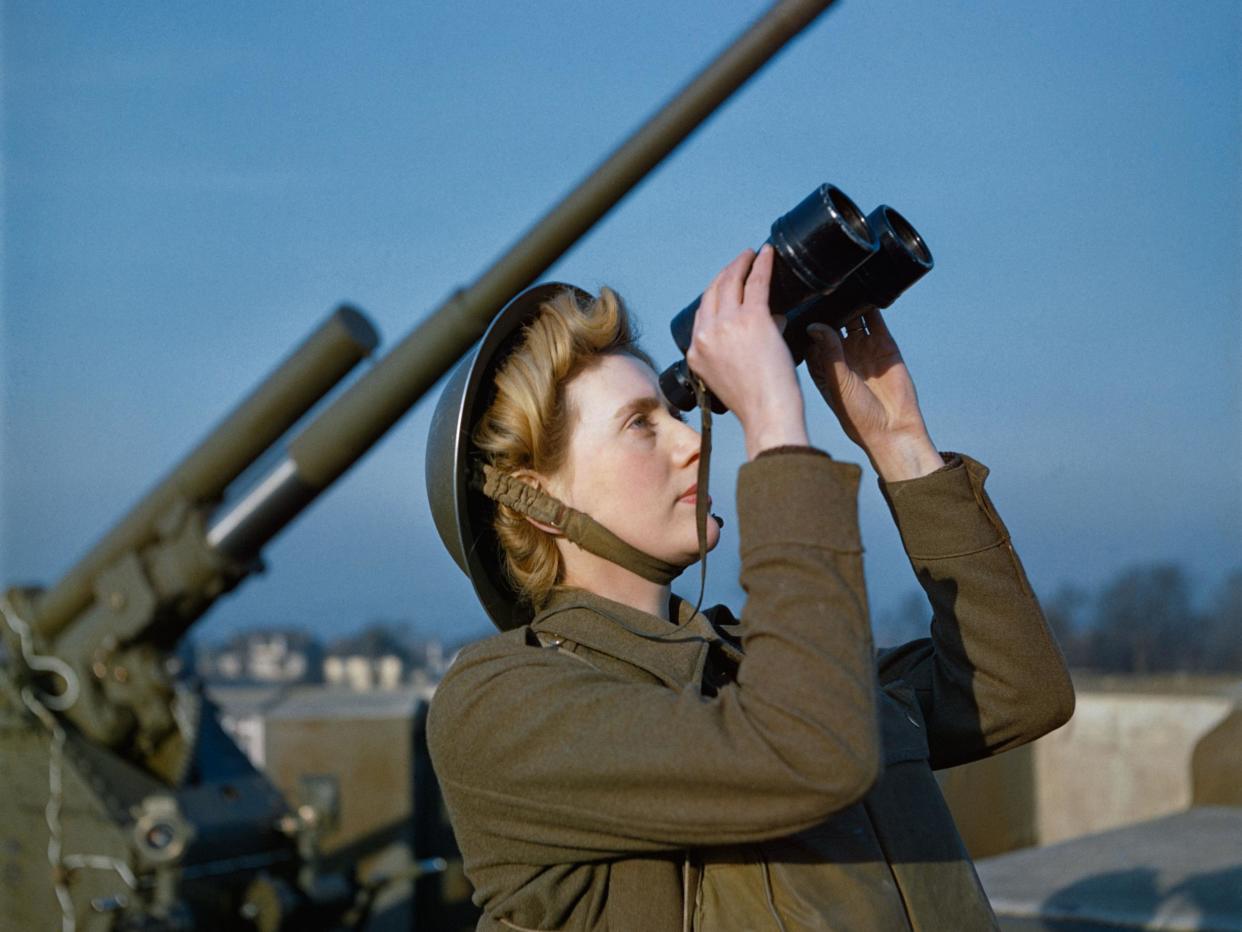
[
  {"x": 800, "y": 497},
  {"x": 946, "y": 513},
  {"x": 791, "y": 448}
]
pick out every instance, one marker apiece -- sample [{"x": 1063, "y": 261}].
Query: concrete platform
[{"x": 1179, "y": 872}]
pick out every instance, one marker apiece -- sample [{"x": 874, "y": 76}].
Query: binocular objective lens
[
  {"x": 850, "y": 213},
  {"x": 908, "y": 236}
]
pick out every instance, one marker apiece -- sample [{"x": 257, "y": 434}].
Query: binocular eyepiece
[{"x": 830, "y": 264}]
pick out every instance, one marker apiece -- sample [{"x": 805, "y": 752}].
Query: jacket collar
[{"x": 675, "y": 654}]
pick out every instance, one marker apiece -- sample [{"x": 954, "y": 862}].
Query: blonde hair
[{"x": 528, "y": 424}]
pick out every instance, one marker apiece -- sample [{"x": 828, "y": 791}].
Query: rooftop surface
[{"x": 1182, "y": 871}]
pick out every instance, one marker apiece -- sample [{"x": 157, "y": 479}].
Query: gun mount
[{"x": 108, "y": 753}]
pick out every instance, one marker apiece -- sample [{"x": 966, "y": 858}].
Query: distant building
[
  {"x": 434, "y": 661},
  {"x": 266, "y": 657},
  {"x": 379, "y": 657},
  {"x": 364, "y": 673},
  {"x": 372, "y": 659}
]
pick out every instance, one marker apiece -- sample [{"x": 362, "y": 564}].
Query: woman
[{"x": 614, "y": 760}]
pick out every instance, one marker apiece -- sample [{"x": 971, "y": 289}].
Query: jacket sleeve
[
  {"x": 991, "y": 676},
  {"x": 560, "y": 761}
]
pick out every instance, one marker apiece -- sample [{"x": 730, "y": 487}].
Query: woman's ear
[{"x": 530, "y": 477}]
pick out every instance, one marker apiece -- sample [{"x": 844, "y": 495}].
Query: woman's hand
[
  {"x": 736, "y": 348},
  {"x": 866, "y": 383}
]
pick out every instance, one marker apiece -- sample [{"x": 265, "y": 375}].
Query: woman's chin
[{"x": 690, "y": 554}]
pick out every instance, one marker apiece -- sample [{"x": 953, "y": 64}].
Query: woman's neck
[{"x": 596, "y": 575}]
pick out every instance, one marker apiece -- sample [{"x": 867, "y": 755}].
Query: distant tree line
[{"x": 1146, "y": 619}]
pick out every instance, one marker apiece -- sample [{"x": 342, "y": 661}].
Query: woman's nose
[{"x": 688, "y": 443}]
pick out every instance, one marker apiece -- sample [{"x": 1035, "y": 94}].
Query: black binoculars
[{"x": 830, "y": 265}]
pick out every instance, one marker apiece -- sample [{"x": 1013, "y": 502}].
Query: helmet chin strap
[
  {"x": 593, "y": 537},
  {"x": 575, "y": 525}
]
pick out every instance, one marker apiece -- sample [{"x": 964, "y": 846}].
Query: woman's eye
[{"x": 647, "y": 422}]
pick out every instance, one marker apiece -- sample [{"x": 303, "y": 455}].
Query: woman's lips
[{"x": 691, "y": 496}]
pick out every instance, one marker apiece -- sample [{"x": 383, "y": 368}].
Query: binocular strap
[{"x": 701, "y": 498}]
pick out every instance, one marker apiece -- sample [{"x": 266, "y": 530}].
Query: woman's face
[{"x": 632, "y": 463}]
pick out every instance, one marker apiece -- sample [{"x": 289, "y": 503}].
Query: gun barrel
[
  {"x": 322, "y": 360},
  {"x": 343, "y": 433}
]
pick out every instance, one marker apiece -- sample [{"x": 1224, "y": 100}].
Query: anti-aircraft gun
[{"x": 126, "y": 805}]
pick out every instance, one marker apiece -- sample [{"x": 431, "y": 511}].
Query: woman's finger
[
  {"x": 732, "y": 281},
  {"x": 706, "y": 313},
  {"x": 759, "y": 279},
  {"x": 876, "y": 325},
  {"x": 709, "y": 305},
  {"x": 825, "y": 342},
  {"x": 856, "y": 329},
  {"x": 825, "y": 359}
]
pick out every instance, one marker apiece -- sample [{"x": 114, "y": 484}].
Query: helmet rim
[{"x": 463, "y": 516}]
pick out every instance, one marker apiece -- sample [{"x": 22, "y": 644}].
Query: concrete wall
[{"x": 1123, "y": 758}]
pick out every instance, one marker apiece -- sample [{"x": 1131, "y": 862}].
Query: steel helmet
[{"x": 463, "y": 515}]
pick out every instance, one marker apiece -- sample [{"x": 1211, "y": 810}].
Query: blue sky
[{"x": 189, "y": 189}]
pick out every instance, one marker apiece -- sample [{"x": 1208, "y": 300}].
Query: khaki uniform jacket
[{"x": 618, "y": 780}]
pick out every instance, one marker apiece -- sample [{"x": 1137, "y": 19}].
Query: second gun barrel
[{"x": 309, "y": 373}]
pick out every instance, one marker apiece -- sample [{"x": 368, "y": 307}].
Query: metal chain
[
  {"x": 41, "y": 706},
  {"x": 41, "y": 663}
]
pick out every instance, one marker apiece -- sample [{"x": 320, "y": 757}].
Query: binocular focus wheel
[{"x": 677, "y": 384}]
